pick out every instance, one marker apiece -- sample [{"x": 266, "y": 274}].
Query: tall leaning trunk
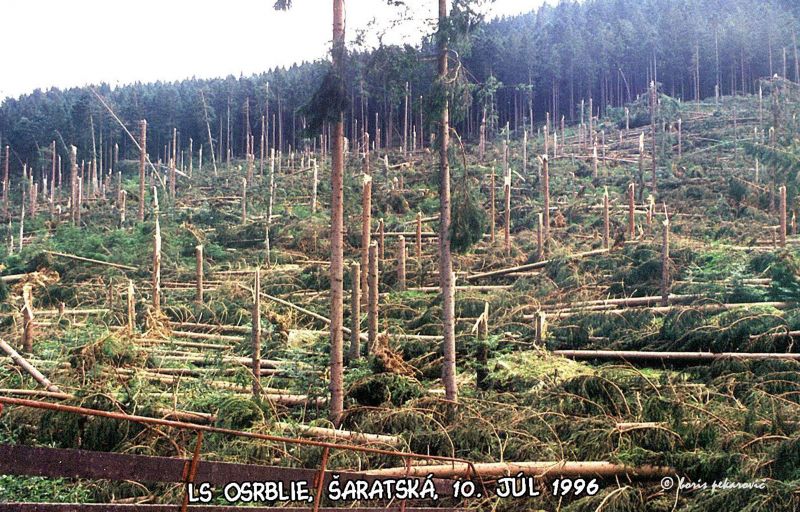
[
  {"x": 445, "y": 258},
  {"x": 337, "y": 227},
  {"x": 142, "y": 158}
]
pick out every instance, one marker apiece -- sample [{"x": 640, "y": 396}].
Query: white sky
[{"x": 64, "y": 43}]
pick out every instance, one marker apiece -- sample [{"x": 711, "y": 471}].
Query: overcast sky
[{"x": 65, "y": 43}]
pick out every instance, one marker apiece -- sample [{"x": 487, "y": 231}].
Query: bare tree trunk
[
  {"x": 606, "y": 227},
  {"x": 355, "y": 313},
  {"x": 631, "y": 212},
  {"x": 540, "y": 239},
  {"x": 157, "y": 268},
  {"x": 372, "y": 306},
  {"x": 381, "y": 239},
  {"x": 74, "y": 206},
  {"x": 131, "y": 308},
  {"x": 665, "y": 263},
  {"x": 27, "y": 318},
  {"x": 492, "y": 212},
  {"x": 337, "y": 228},
  {"x": 782, "y": 195},
  {"x": 142, "y": 158},
  {"x": 418, "y": 244},
  {"x": 445, "y": 258},
  {"x": 256, "y": 334},
  {"x": 653, "y": 107},
  {"x": 401, "y": 263},
  {"x": 244, "y": 200},
  {"x": 199, "y": 272},
  {"x": 5, "y": 182},
  {"x": 366, "y": 228},
  {"x": 546, "y": 198}
]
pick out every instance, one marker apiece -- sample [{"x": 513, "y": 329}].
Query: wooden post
[
  {"x": 131, "y": 308},
  {"x": 366, "y": 232},
  {"x": 372, "y": 307},
  {"x": 355, "y": 313},
  {"x": 782, "y": 192},
  {"x": 631, "y": 211},
  {"x": 256, "y": 334},
  {"x": 606, "y": 223},
  {"x": 401, "y": 263},
  {"x": 27, "y": 318},
  {"x": 244, "y": 200},
  {"x": 546, "y": 194},
  {"x": 142, "y": 158},
  {"x": 198, "y": 252},
  {"x": 665, "y": 261}
]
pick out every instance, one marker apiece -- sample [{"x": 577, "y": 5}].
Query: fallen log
[
  {"x": 660, "y": 310},
  {"x": 532, "y": 266},
  {"x": 28, "y": 367},
  {"x": 36, "y": 392},
  {"x": 535, "y": 469},
  {"x": 205, "y": 336},
  {"x": 211, "y": 327},
  {"x": 633, "y": 355},
  {"x": 629, "y": 301},
  {"x": 90, "y": 260},
  {"x": 331, "y": 433}
]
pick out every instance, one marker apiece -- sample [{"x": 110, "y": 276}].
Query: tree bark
[
  {"x": 256, "y": 334},
  {"x": 142, "y": 159},
  {"x": 445, "y": 258},
  {"x": 355, "y": 313},
  {"x": 337, "y": 228},
  {"x": 372, "y": 307}
]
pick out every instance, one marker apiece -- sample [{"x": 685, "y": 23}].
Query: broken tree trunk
[
  {"x": 355, "y": 313},
  {"x": 606, "y": 223},
  {"x": 530, "y": 266},
  {"x": 199, "y": 273},
  {"x": 401, "y": 263},
  {"x": 632, "y": 355},
  {"x": 27, "y": 318},
  {"x": 157, "y": 267},
  {"x": 546, "y": 197},
  {"x": 536, "y": 469},
  {"x": 131, "y": 308},
  {"x": 366, "y": 229},
  {"x": 90, "y": 260},
  {"x": 631, "y": 211},
  {"x": 142, "y": 159},
  {"x": 372, "y": 308},
  {"x": 665, "y": 263},
  {"x": 28, "y": 367},
  {"x": 256, "y": 335},
  {"x": 782, "y": 192}
]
